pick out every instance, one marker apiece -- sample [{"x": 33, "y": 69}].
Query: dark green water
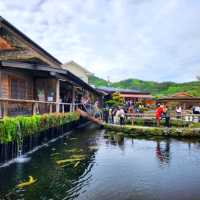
[{"x": 113, "y": 168}]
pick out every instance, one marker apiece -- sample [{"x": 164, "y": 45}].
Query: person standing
[
  {"x": 159, "y": 111},
  {"x": 110, "y": 117},
  {"x": 105, "y": 114},
  {"x": 117, "y": 116},
  {"x": 178, "y": 112},
  {"x": 122, "y": 116},
  {"x": 166, "y": 112}
]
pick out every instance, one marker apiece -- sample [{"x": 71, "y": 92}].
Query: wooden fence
[
  {"x": 185, "y": 116},
  {"x": 14, "y": 107}
]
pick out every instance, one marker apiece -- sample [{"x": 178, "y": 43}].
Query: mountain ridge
[{"x": 155, "y": 88}]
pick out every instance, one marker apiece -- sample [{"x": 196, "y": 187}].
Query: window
[{"x": 18, "y": 89}]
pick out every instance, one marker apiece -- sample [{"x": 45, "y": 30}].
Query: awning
[{"x": 140, "y": 96}]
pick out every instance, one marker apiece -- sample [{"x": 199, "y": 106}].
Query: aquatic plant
[
  {"x": 8, "y": 129},
  {"x": 69, "y": 160},
  {"x": 30, "y": 125},
  {"x": 74, "y": 150},
  {"x": 76, "y": 164}
]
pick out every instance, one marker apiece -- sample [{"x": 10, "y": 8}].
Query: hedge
[{"x": 10, "y": 127}]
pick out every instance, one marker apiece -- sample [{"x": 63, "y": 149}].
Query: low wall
[{"x": 154, "y": 131}]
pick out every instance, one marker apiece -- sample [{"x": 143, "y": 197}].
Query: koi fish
[{"x": 27, "y": 183}]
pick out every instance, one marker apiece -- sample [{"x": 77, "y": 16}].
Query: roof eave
[{"x": 37, "y": 47}]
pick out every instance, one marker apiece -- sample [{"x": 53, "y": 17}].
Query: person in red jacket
[{"x": 159, "y": 111}]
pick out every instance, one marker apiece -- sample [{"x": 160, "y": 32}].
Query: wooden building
[
  {"x": 128, "y": 94},
  {"x": 31, "y": 79},
  {"x": 185, "y": 100}
]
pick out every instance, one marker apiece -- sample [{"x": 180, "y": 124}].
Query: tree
[{"x": 116, "y": 100}]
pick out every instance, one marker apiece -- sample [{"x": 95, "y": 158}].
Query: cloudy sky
[{"x": 146, "y": 39}]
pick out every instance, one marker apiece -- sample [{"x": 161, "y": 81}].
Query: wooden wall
[{"x": 7, "y": 76}]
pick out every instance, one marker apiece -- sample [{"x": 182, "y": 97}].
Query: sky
[{"x": 155, "y": 40}]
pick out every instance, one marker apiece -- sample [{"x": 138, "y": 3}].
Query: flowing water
[{"x": 107, "y": 167}]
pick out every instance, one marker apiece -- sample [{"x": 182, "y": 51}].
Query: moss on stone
[{"x": 152, "y": 131}]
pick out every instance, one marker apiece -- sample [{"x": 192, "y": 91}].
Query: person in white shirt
[
  {"x": 122, "y": 116},
  {"x": 178, "y": 111}
]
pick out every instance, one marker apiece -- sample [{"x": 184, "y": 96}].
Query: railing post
[
  {"x": 35, "y": 108},
  {"x": 63, "y": 108},
  {"x": 1, "y": 112},
  {"x": 73, "y": 99},
  {"x": 50, "y": 108},
  {"x": 132, "y": 120},
  {"x": 58, "y": 96},
  {"x": 5, "y": 108}
]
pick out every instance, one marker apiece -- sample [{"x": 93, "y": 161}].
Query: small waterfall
[
  {"x": 20, "y": 158},
  {"x": 19, "y": 141}
]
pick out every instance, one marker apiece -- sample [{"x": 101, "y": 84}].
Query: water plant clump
[
  {"x": 74, "y": 150},
  {"x": 30, "y": 125},
  {"x": 69, "y": 160}
]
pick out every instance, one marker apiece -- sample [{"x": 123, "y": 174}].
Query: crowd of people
[
  {"x": 119, "y": 114},
  {"x": 114, "y": 115}
]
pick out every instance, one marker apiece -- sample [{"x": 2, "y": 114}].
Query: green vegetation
[
  {"x": 157, "y": 89},
  {"x": 93, "y": 80},
  {"x": 145, "y": 131},
  {"x": 29, "y": 125},
  {"x": 116, "y": 100}
]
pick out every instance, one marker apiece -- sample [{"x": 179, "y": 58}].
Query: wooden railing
[
  {"x": 186, "y": 116},
  {"x": 13, "y": 107}
]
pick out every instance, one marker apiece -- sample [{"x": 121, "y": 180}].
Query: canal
[{"x": 106, "y": 167}]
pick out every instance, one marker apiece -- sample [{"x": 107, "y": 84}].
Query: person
[
  {"x": 105, "y": 114},
  {"x": 130, "y": 109},
  {"x": 166, "y": 112},
  {"x": 159, "y": 111},
  {"x": 114, "y": 110},
  {"x": 121, "y": 116},
  {"x": 178, "y": 112},
  {"x": 196, "y": 109},
  {"x": 97, "y": 110},
  {"x": 110, "y": 117},
  {"x": 117, "y": 116}
]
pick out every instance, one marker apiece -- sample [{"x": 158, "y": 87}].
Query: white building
[{"x": 77, "y": 70}]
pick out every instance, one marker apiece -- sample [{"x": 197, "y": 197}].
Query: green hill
[{"x": 155, "y": 88}]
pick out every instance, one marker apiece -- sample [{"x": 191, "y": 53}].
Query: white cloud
[{"x": 146, "y": 39}]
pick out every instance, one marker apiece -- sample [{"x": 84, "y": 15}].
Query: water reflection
[
  {"x": 115, "y": 139},
  {"x": 163, "y": 152},
  {"x": 115, "y": 167}
]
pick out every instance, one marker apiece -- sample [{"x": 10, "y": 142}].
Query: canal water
[{"x": 111, "y": 167}]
